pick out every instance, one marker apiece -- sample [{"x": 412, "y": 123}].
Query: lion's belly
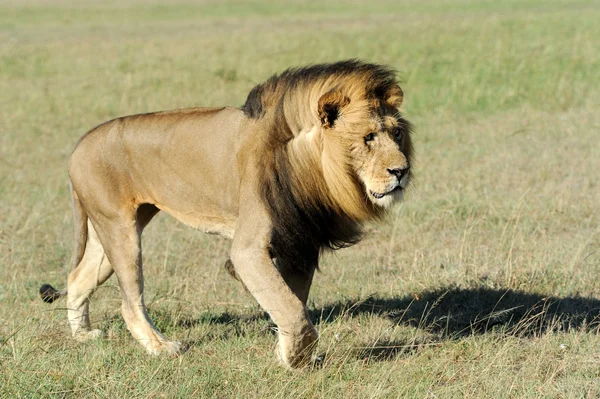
[
  {"x": 222, "y": 225},
  {"x": 203, "y": 195}
]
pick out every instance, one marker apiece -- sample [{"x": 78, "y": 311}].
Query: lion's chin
[{"x": 388, "y": 199}]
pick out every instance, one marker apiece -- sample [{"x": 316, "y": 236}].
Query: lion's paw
[
  {"x": 172, "y": 348},
  {"x": 295, "y": 351},
  {"x": 88, "y": 335}
]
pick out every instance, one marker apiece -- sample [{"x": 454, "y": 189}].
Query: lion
[{"x": 312, "y": 155}]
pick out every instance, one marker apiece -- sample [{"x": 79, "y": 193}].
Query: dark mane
[
  {"x": 375, "y": 78},
  {"x": 301, "y": 227},
  {"x": 304, "y": 219}
]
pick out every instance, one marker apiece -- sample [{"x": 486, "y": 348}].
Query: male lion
[{"x": 312, "y": 154}]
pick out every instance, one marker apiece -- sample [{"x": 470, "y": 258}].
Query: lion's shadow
[
  {"x": 454, "y": 312},
  {"x": 446, "y": 314}
]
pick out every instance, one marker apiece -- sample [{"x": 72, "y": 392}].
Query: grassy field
[{"x": 484, "y": 283}]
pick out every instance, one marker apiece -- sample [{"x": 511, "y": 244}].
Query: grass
[{"x": 482, "y": 284}]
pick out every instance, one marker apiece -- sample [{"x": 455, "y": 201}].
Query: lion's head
[
  {"x": 373, "y": 137},
  {"x": 334, "y": 153}
]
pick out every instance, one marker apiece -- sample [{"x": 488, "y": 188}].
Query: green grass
[{"x": 484, "y": 283}]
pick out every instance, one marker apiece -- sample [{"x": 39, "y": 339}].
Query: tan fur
[{"x": 208, "y": 168}]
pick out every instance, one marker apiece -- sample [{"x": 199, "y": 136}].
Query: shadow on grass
[
  {"x": 446, "y": 314},
  {"x": 452, "y": 313},
  {"x": 455, "y": 312}
]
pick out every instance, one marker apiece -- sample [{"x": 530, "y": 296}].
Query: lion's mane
[{"x": 316, "y": 202}]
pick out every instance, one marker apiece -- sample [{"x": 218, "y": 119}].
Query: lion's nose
[{"x": 399, "y": 172}]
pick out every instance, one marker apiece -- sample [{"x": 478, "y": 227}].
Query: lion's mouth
[{"x": 381, "y": 195}]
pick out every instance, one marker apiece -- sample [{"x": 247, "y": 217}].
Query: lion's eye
[{"x": 370, "y": 137}]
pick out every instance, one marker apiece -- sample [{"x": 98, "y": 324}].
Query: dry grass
[{"x": 482, "y": 284}]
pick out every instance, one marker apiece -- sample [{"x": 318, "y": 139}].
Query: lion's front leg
[
  {"x": 299, "y": 280},
  {"x": 295, "y": 349},
  {"x": 297, "y": 335}
]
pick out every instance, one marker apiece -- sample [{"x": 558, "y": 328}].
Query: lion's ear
[
  {"x": 394, "y": 96},
  {"x": 329, "y": 107}
]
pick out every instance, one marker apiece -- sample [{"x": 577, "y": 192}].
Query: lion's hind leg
[
  {"x": 90, "y": 268},
  {"x": 121, "y": 238},
  {"x": 92, "y": 271}
]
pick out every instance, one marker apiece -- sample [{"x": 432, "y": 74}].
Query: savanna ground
[{"x": 484, "y": 283}]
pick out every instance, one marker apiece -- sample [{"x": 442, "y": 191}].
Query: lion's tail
[{"x": 48, "y": 293}]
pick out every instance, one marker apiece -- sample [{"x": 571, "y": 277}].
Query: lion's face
[
  {"x": 375, "y": 139},
  {"x": 381, "y": 158}
]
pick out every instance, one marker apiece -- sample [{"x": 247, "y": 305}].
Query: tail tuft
[{"x": 49, "y": 294}]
